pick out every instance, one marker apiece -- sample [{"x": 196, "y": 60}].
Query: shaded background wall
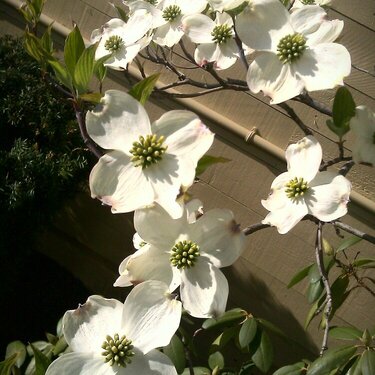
[{"x": 90, "y": 242}]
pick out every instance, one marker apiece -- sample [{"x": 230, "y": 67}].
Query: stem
[
  {"x": 254, "y": 228},
  {"x": 325, "y": 165},
  {"x": 324, "y": 276},
  {"x": 92, "y": 146},
  {"x": 351, "y": 230},
  {"x": 308, "y": 100},
  {"x": 345, "y": 169},
  {"x": 295, "y": 118}
]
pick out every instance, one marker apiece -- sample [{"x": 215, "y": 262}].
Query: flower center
[
  {"x": 117, "y": 350},
  {"x": 149, "y": 150},
  {"x": 291, "y": 47},
  {"x": 113, "y": 43},
  {"x": 171, "y": 13},
  {"x": 184, "y": 254},
  {"x": 296, "y": 188},
  {"x": 221, "y": 33}
]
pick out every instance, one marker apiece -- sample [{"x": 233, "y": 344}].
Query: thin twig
[
  {"x": 351, "y": 230},
  {"x": 325, "y": 165},
  {"x": 327, "y": 287},
  {"x": 345, "y": 169},
  {"x": 363, "y": 70},
  {"x": 308, "y": 100},
  {"x": 295, "y": 118},
  {"x": 254, "y": 228}
]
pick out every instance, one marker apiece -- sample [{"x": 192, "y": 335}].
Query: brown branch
[
  {"x": 295, "y": 118},
  {"x": 254, "y": 228},
  {"x": 308, "y": 100},
  {"x": 351, "y": 230}
]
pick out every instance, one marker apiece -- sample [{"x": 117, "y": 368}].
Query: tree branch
[
  {"x": 351, "y": 230},
  {"x": 295, "y": 118}
]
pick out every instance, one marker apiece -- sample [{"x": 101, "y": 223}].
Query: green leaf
[
  {"x": 92, "y": 97},
  {"x": 363, "y": 262},
  {"x": 247, "y": 368},
  {"x": 345, "y": 333},
  {"x": 312, "y": 312},
  {"x": 61, "y": 73},
  {"x": 299, "y": 276},
  {"x": 208, "y": 160},
  {"x": 7, "y": 365},
  {"x": 175, "y": 351},
  {"x": 368, "y": 362},
  {"x": 295, "y": 369},
  {"x": 348, "y": 242},
  {"x": 343, "y": 109},
  {"x": 85, "y": 69},
  {"x": 263, "y": 356},
  {"x": 229, "y": 318},
  {"x": 216, "y": 360},
  {"x": 73, "y": 49},
  {"x": 34, "y": 47},
  {"x": 41, "y": 361},
  {"x": 355, "y": 368},
  {"x": 247, "y": 332},
  {"x": 224, "y": 338},
  {"x": 331, "y": 359},
  {"x": 16, "y": 347},
  {"x": 314, "y": 291},
  {"x": 339, "y": 292},
  {"x": 143, "y": 89},
  {"x": 46, "y": 40},
  {"x": 197, "y": 371},
  {"x": 274, "y": 329}
]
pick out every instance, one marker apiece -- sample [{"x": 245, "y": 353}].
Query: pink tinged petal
[
  {"x": 307, "y": 19},
  {"x": 285, "y": 219},
  {"x": 221, "y": 238},
  {"x": 198, "y": 28},
  {"x": 323, "y": 66},
  {"x": 185, "y": 133},
  {"x": 156, "y": 227},
  {"x": 152, "y": 363},
  {"x": 304, "y": 158},
  {"x": 151, "y": 263},
  {"x": 205, "y": 53},
  {"x": 85, "y": 329},
  {"x": 81, "y": 364},
  {"x": 327, "y": 32},
  {"x": 268, "y": 74},
  {"x": 262, "y": 24},
  {"x": 204, "y": 289},
  {"x": 117, "y": 121},
  {"x": 118, "y": 183},
  {"x": 151, "y": 315},
  {"x": 328, "y": 196}
]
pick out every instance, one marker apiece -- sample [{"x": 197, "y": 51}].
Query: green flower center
[
  {"x": 117, "y": 350},
  {"x": 296, "y": 188},
  {"x": 221, "y": 33},
  {"x": 291, "y": 47},
  {"x": 113, "y": 43},
  {"x": 184, "y": 254},
  {"x": 149, "y": 150},
  {"x": 171, "y": 13},
  {"x": 308, "y": 2}
]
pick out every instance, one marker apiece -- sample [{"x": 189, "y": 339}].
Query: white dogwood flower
[
  {"x": 186, "y": 252},
  {"x": 108, "y": 337},
  {"x": 224, "y": 5},
  {"x": 215, "y": 39},
  {"x": 304, "y": 190},
  {"x": 363, "y": 126},
  {"x": 122, "y": 40},
  {"x": 297, "y": 52},
  {"x": 149, "y": 162}
]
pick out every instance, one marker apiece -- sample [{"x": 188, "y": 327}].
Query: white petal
[
  {"x": 150, "y": 263},
  {"x": 268, "y": 74},
  {"x": 151, "y": 316},
  {"x": 139, "y": 23},
  {"x": 191, "y": 7},
  {"x": 117, "y": 121},
  {"x": 307, "y": 19},
  {"x": 81, "y": 364},
  {"x": 204, "y": 289},
  {"x": 304, "y": 158},
  {"x": 262, "y": 24},
  {"x": 198, "y": 28},
  {"x": 86, "y": 328},
  {"x": 106, "y": 29},
  {"x": 221, "y": 239},
  {"x": 329, "y": 196},
  {"x": 117, "y": 182},
  {"x": 323, "y": 66},
  {"x": 327, "y": 32},
  {"x": 227, "y": 55},
  {"x": 363, "y": 123},
  {"x": 153, "y": 363},
  {"x": 205, "y": 53},
  {"x": 124, "y": 279}
]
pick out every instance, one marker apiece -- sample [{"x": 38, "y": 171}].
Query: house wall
[{"x": 91, "y": 242}]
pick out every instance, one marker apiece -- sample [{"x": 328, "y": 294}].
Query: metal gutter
[{"x": 247, "y": 136}]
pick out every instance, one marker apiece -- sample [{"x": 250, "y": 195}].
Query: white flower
[
  {"x": 149, "y": 162},
  {"x": 108, "y": 337},
  {"x": 215, "y": 39},
  {"x": 297, "y": 52},
  {"x": 122, "y": 40},
  {"x": 186, "y": 252},
  {"x": 363, "y": 126},
  {"x": 223, "y": 5},
  {"x": 304, "y": 190}
]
